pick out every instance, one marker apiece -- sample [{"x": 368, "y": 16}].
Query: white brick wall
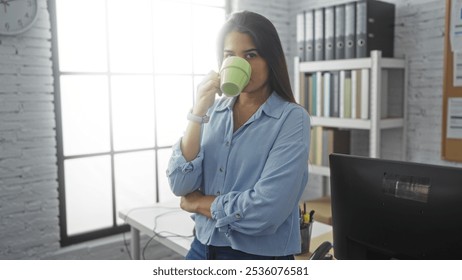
[
  {"x": 28, "y": 172},
  {"x": 29, "y": 227}
]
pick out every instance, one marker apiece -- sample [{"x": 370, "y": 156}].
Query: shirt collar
[{"x": 273, "y": 106}]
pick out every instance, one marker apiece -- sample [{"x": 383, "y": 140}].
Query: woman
[{"x": 243, "y": 172}]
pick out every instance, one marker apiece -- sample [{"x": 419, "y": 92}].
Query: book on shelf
[
  {"x": 354, "y": 93},
  {"x": 303, "y": 90},
  {"x": 327, "y": 90},
  {"x": 319, "y": 94},
  {"x": 347, "y": 95},
  {"x": 383, "y": 95},
  {"x": 335, "y": 94},
  {"x": 308, "y": 97},
  {"x": 316, "y": 143},
  {"x": 341, "y": 89},
  {"x": 357, "y": 93},
  {"x": 312, "y": 94}
]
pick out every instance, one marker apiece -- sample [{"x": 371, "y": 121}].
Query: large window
[{"x": 125, "y": 75}]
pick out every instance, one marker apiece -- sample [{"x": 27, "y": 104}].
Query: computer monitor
[{"x": 385, "y": 209}]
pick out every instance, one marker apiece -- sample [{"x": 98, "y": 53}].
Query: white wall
[{"x": 28, "y": 171}]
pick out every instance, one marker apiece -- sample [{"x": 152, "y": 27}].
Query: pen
[
  {"x": 300, "y": 215},
  {"x": 311, "y": 216}
]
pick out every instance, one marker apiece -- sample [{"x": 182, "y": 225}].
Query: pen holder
[{"x": 305, "y": 232}]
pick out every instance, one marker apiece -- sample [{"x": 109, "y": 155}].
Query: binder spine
[
  {"x": 339, "y": 31},
  {"x": 329, "y": 24},
  {"x": 309, "y": 35},
  {"x": 319, "y": 34},
  {"x": 380, "y": 27},
  {"x": 361, "y": 29},
  {"x": 301, "y": 36},
  {"x": 350, "y": 30}
]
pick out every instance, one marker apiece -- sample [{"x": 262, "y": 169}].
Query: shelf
[
  {"x": 335, "y": 65},
  {"x": 378, "y": 91},
  {"x": 391, "y": 123},
  {"x": 355, "y": 123},
  {"x": 349, "y": 64}
]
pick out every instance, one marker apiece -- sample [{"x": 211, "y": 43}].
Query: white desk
[
  {"x": 164, "y": 222},
  {"x": 173, "y": 227}
]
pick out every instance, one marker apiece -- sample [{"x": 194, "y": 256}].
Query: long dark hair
[{"x": 266, "y": 39}]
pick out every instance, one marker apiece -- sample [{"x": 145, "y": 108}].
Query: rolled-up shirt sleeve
[
  {"x": 223, "y": 214},
  {"x": 184, "y": 177}
]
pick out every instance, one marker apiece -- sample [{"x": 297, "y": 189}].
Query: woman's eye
[{"x": 250, "y": 55}]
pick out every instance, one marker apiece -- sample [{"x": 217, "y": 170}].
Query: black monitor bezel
[{"x": 370, "y": 222}]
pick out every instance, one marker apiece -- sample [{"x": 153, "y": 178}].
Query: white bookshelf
[{"x": 375, "y": 123}]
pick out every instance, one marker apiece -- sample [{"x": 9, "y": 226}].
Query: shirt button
[
  {"x": 218, "y": 193},
  {"x": 238, "y": 216},
  {"x": 227, "y": 143},
  {"x": 221, "y": 169}
]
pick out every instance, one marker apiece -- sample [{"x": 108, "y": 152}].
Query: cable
[
  {"x": 155, "y": 234},
  {"x": 159, "y": 234},
  {"x": 125, "y": 221}
]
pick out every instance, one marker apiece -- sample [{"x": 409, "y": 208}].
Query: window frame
[{"x": 65, "y": 238}]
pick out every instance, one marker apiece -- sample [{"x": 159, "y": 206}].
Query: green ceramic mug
[{"x": 234, "y": 75}]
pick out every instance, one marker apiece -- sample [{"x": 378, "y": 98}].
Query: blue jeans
[{"x": 200, "y": 251}]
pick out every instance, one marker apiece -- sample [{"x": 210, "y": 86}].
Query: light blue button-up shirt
[{"x": 258, "y": 174}]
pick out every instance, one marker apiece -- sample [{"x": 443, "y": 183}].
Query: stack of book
[{"x": 338, "y": 94}]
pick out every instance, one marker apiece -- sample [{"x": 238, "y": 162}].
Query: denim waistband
[{"x": 200, "y": 251}]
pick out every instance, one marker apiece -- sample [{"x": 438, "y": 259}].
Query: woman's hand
[
  {"x": 206, "y": 91},
  {"x": 196, "y": 202}
]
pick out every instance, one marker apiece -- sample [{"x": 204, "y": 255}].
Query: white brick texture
[{"x": 29, "y": 227}]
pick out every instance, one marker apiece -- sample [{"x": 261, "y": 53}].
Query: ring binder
[
  {"x": 329, "y": 24},
  {"x": 350, "y": 9},
  {"x": 339, "y": 31},
  {"x": 319, "y": 34},
  {"x": 374, "y": 27},
  {"x": 309, "y": 35}
]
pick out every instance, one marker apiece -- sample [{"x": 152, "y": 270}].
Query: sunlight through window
[{"x": 127, "y": 77}]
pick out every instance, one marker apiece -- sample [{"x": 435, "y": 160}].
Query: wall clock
[{"x": 17, "y": 16}]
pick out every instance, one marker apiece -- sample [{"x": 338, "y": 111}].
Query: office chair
[{"x": 321, "y": 253}]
